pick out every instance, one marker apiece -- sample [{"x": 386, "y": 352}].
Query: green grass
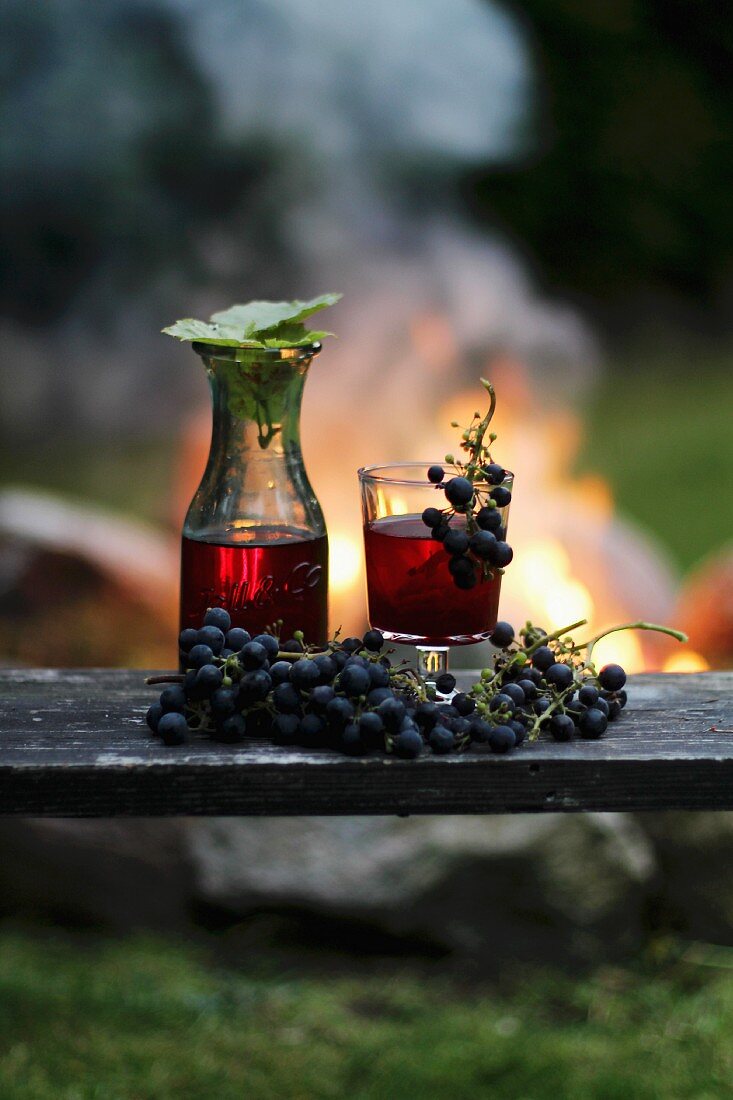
[
  {"x": 661, "y": 434},
  {"x": 136, "y": 1019}
]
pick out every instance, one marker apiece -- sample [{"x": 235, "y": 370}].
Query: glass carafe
[{"x": 254, "y": 537}]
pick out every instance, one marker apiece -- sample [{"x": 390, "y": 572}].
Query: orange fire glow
[{"x": 685, "y": 660}]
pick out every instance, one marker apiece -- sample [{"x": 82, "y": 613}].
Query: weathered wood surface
[{"x": 76, "y": 744}]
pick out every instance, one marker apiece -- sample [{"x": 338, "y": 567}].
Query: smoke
[{"x": 182, "y": 155}]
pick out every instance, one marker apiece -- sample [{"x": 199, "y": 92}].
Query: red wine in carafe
[{"x": 278, "y": 575}]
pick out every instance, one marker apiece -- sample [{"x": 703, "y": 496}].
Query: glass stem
[{"x": 431, "y": 661}]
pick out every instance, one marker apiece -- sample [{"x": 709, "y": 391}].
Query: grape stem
[
  {"x": 557, "y": 634},
  {"x": 483, "y": 427},
  {"x": 169, "y": 678},
  {"x": 678, "y": 634}
]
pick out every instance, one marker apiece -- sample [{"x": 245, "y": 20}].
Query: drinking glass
[{"x": 411, "y": 595}]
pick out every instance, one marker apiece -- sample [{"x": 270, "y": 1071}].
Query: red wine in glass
[
  {"x": 412, "y": 597},
  {"x": 281, "y": 575}
]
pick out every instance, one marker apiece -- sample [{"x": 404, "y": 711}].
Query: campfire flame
[{"x": 685, "y": 660}]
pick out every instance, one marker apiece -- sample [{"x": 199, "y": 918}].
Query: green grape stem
[
  {"x": 483, "y": 427},
  {"x": 677, "y": 634},
  {"x": 555, "y": 636}
]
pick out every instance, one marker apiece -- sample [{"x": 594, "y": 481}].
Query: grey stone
[{"x": 566, "y": 888}]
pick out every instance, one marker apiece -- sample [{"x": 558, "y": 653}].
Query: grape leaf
[
  {"x": 257, "y": 317},
  {"x": 191, "y": 329},
  {"x": 256, "y": 324}
]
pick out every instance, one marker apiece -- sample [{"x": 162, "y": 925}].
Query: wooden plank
[{"x": 74, "y": 743}]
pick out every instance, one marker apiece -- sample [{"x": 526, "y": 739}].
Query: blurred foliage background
[{"x": 551, "y": 177}]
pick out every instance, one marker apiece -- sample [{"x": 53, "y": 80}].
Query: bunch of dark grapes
[
  {"x": 472, "y": 526},
  {"x": 545, "y": 683},
  {"x": 350, "y": 698}
]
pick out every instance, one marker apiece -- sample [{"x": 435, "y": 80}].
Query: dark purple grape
[
  {"x": 200, "y": 655},
  {"x": 593, "y": 724},
  {"x": 173, "y": 698},
  {"x": 436, "y": 474},
  {"x": 456, "y": 541},
  {"x": 426, "y": 715},
  {"x": 588, "y": 695},
  {"x": 529, "y": 687},
  {"x": 392, "y": 712},
  {"x": 502, "y": 739},
  {"x": 304, "y": 674},
  {"x": 465, "y": 581},
  {"x": 378, "y": 695},
  {"x": 480, "y": 730},
  {"x": 286, "y": 699},
  {"x": 519, "y": 731},
  {"x": 373, "y": 640},
  {"x": 285, "y": 729},
  {"x": 515, "y": 693},
  {"x": 172, "y": 728},
  {"x": 223, "y": 703},
  {"x": 187, "y": 639},
  {"x": 231, "y": 731},
  {"x": 378, "y": 675},
  {"x": 354, "y": 681},
  {"x": 501, "y": 701},
  {"x": 320, "y": 697},
  {"x": 612, "y": 677},
  {"x": 501, "y": 496},
  {"x": 269, "y": 643},
  {"x": 280, "y": 672},
  {"x": 561, "y": 727},
  {"x": 483, "y": 545},
  {"x": 218, "y": 617},
  {"x": 459, "y": 491},
  {"x": 464, "y": 704},
  {"x": 560, "y": 676},
  {"x": 338, "y": 712},
  {"x": 237, "y": 638},
  {"x": 488, "y": 519},
  {"x": 254, "y": 687},
  {"x": 445, "y": 682},
  {"x": 253, "y": 655},
  {"x": 211, "y": 636},
  {"x": 441, "y": 740},
  {"x": 311, "y": 731},
  {"x": 543, "y": 657},
  {"x": 494, "y": 473},
  {"x": 408, "y": 743},
  {"x": 351, "y": 741},
  {"x": 209, "y": 678},
  {"x": 154, "y": 715},
  {"x": 502, "y": 635},
  {"x": 431, "y": 517},
  {"x": 501, "y": 555}
]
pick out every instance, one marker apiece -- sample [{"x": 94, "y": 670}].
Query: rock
[
  {"x": 569, "y": 889},
  {"x": 116, "y": 874},
  {"x": 694, "y": 852},
  {"x": 81, "y": 586}
]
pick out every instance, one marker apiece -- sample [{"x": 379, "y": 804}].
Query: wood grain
[{"x": 75, "y": 743}]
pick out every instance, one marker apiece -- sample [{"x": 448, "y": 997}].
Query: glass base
[
  {"x": 421, "y": 641},
  {"x": 431, "y": 662}
]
